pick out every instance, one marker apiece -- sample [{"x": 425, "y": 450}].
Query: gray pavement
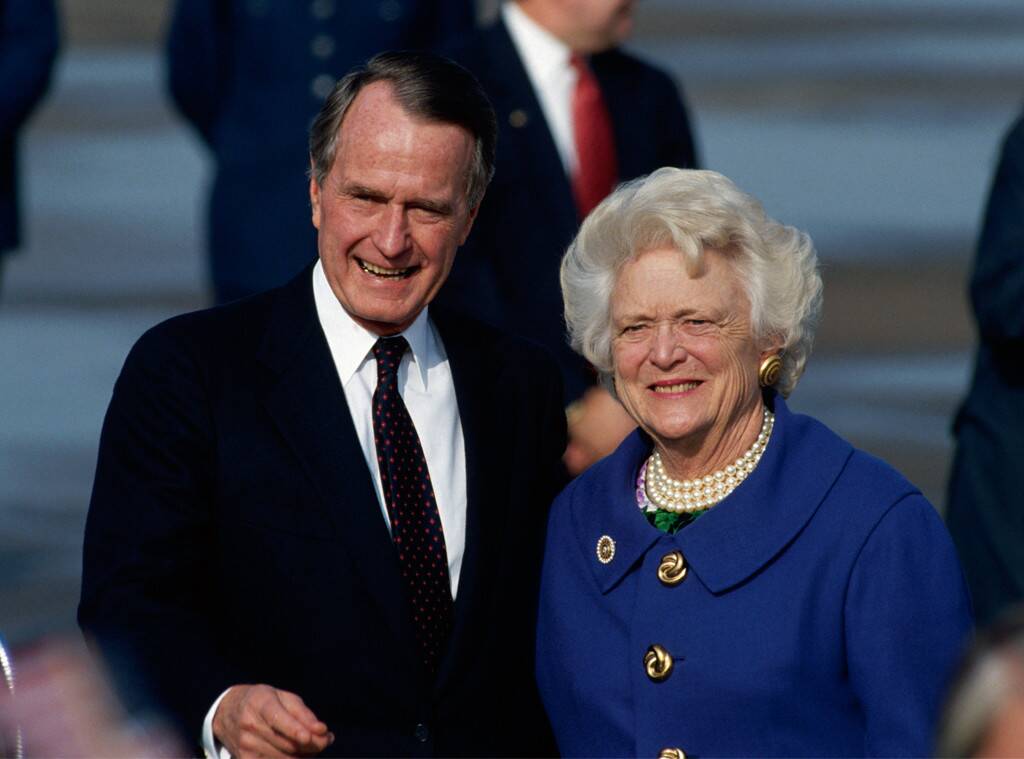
[{"x": 875, "y": 135}]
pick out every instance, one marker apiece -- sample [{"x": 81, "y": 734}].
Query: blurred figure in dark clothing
[
  {"x": 250, "y": 75},
  {"x": 986, "y": 492},
  {"x": 576, "y": 115},
  {"x": 28, "y": 48}
]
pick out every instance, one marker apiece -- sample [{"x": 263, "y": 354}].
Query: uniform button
[
  {"x": 389, "y": 10},
  {"x": 672, "y": 569},
  {"x": 321, "y": 86},
  {"x": 672, "y": 753},
  {"x": 322, "y": 46},
  {"x": 321, "y": 9},
  {"x": 658, "y": 663},
  {"x": 421, "y": 732}
]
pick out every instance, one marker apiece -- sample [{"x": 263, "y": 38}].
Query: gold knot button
[
  {"x": 672, "y": 753},
  {"x": 658, "y": 663},
  {"x": 605, "y": 549},
  {"x": 672, "y": 569}
]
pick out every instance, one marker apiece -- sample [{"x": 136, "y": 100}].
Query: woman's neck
[{"x": 687, "y": 459}]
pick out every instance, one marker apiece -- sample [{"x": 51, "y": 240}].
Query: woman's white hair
[{"x": 693, "y": 211}]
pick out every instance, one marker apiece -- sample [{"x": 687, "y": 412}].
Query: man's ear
[{"x": 314, "y": 195}]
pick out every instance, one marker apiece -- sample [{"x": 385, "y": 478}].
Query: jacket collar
[{"x": 734, "y": 539}]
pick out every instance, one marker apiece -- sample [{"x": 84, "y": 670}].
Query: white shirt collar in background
[{"x": 546, "y": 60}]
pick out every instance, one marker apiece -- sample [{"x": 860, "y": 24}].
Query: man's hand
[
  {"x": 597, "y": 424},
  {"x": 257, "y": 720}
]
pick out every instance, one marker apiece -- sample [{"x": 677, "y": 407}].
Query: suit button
[
  {"x": 672, "y": 753},
  {"x": 672, "y": 569},
  {"x": 658, "y": 663},
  {"x": 421, "y": 732}
]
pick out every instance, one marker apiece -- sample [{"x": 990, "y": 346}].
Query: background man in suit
[
  {"x": 250, "y": 76},
  {"x": 985, "y": 512},
  {"x": 285, "y": 498},
  {"x": 576, "y": 115},
  {"x": 28, "y": 48}
]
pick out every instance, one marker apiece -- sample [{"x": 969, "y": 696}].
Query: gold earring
[{"x": 770, "y": 370}]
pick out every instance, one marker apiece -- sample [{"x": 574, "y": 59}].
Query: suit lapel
[
  {"x": 521, "y": 123},
  {"x": 470, "y": 372},
  {"x": 307, "y": 403}
]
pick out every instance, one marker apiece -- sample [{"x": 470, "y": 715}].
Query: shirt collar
[
  {"x": 542, "y": 53},
  {"x": 350, "y": 343}
]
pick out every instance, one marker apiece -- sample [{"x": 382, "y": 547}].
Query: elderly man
[{"x": 318, "y": 512}]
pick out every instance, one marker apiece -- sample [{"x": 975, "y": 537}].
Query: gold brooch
[{"x": 605, "y": 549}]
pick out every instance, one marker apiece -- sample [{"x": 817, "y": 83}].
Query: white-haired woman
[{"x": 735, "y": 580}]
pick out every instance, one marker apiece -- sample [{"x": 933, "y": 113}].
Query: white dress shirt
[
  {"x": 546, "y": 60},
  {"x": 425, "y": 384}
]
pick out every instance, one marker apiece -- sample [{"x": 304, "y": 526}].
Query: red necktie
[
  {"x": 597, "y": 170},
  {"x": 409, "y": 495}
]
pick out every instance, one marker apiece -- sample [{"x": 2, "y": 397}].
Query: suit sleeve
[
  {"x": 907, "y": 619},
  {"x": 198, "y": 60},
  {"x": 997, "y": 283},
  {"x": 148, "y": 583},
  {"x": 28, "y": 49}
]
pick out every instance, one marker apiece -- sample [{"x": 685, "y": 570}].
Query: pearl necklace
[{"x": 701, "y": 493}]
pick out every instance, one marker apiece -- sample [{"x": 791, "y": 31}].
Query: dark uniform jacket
[
  {"x": 986, "y": 493},
  {"x": 28, "y": 48}
]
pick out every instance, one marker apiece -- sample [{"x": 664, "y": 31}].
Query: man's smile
[{"x": 378, "y": 271}]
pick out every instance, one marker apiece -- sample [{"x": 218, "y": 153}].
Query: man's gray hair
[
  {"x": 427, "y": 86},
  {"x": 692, "y": 211}
]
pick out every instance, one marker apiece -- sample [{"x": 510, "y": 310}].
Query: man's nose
[{"x": 392, "y": 233}]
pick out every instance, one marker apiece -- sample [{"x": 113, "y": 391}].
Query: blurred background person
[
  {"x": 28, "y": 49},
  {"x": 250, "y": 76},
  {"x": 576, "y": 115},
  {"x": 59, "y": 704},
  {"x": 984, "y": 711},
  {"x": 736, "y": 579},
  {"x": 985, "y": 512}
]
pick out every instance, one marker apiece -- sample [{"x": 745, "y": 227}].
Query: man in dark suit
[
  {"x": 250, "y": 76},
  {"x": 556, "y": 158},
  {"x": 28, "y": 48},
  {"x": 331, "y": 535},
  {"x": 985, "y": 512}
]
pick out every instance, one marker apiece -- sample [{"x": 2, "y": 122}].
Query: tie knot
[
  {"x": 389, "y": 351},
  {"x": 578, "y": 62}
]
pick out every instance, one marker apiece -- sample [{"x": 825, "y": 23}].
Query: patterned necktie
[
  {"x": 409, "y": 495},
  {"x": 597, "y": 170}
]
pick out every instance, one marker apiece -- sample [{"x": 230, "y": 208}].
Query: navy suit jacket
[
  {"x": 28, "y": 48},
  {"x": 822, "y": 610},
  {"x": 234, "y": 534},
  {"x": 507, "y": 272},
  {"x": 244, "y": 73},
  {"x": 986, "y": 511}
]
